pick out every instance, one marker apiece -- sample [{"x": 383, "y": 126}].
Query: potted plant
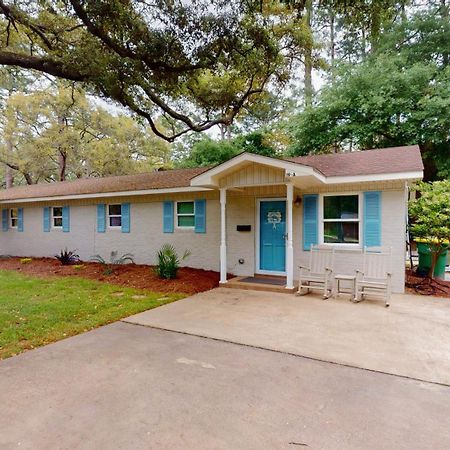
[{"x": 430, "y": 212}]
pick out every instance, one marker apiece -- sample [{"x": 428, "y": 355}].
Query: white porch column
[
  {"x": 223, "y": 236},
  {"x": 290, "y": 245}
]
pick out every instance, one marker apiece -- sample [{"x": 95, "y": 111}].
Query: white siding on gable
[{"x": 253, "y": 175}]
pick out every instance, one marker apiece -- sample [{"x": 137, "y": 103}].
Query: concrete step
[{"x": 237, "y": 283}]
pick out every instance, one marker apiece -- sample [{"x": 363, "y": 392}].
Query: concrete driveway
[
  {"x": 131, "y": 387},
  {"x": 411, "y": 338}
]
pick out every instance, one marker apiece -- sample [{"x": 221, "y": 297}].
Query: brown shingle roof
[
  {"x": 367, "y": 162},
  {"x": 388, "y": 160},
  {"x": 140, "y": 181}
]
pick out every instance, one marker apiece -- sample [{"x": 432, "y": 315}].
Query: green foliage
[
  {"x": 58, "y": 134},
  {"x": 114, "y": 259},
  {"x": 198, "y": 63},
  {"x": 38, "y": 311},
  {"x": 67, "y": 257},
  {"x": 399, "y": 95},
  {"x": 431, "y": 217},
  {"x": 209, "y": 152},
  {"x": 169, "y": 262}
]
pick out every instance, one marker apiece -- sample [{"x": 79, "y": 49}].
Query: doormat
[{"x": 258, "y": 280}]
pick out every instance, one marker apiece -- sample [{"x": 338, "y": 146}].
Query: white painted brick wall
[{"x": 146, "y": 236}]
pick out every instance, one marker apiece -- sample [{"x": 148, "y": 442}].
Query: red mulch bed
[
  {"x": 426, "y": 286},
  {"x": 138, "y": 276}
]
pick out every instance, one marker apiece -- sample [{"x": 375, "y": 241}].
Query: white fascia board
[
  {"x": 107, "y": 194},
  {"x": 206, "y": 178},
  {"x": 375, "y": 177}
]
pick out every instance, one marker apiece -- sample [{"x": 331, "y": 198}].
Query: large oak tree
[{"x": 197, "y": 63}]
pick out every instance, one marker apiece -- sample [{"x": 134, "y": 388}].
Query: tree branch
[
  {"x": 16, "y": 15},
  {"x": 41, "y": 64}
]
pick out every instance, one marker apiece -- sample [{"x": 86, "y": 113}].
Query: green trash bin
[{"x": 425, "y": 260}]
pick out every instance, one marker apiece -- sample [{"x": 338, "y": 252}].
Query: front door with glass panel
[{"x": 272, "y": 230}]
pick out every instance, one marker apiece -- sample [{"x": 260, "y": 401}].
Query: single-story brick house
[{"x": 249, "y": 215}]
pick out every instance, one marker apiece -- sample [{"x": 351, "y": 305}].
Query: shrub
[
  {"x": 113, "y": 260},
  {"x": 67, "y": 258},
  {"x": 431, "y": 215},
  {"x": 169, "y": 262}
]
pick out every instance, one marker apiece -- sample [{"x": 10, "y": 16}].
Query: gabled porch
[{"x": 259, "y": 200}]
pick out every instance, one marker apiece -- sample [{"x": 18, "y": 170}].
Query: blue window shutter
[
  {"x": 310, "y": 221},
  {"x": 125, "y": 217},
  {"x": 66, "y": 219},
  {"x": 101, "y": 218},
  {"x": 46, "y": 224},
  {"x": 168, "y": 217},
  {"x": 20, "y": 219},
  {"x": 372, "y": 219},
  {"x": 5, "y": 219},
  {"x": 200, "y": 216}
]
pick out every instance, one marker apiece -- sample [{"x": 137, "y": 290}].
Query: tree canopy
[
  {"x": 57, "y": 134},
  {"x": 196, "y": 63},
  {"x": 209, "y": 152},
  {"x": 398, "y": 95}
]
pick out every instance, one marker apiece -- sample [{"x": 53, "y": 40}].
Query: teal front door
[{"x": 272, "y": 230}]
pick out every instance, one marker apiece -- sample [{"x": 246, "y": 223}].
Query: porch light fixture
[{"x": 298, "y": 201}]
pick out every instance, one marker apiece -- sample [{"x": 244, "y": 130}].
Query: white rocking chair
[
  {"x": 318, "y": 276},
  {"x": 375, "y": 278}
]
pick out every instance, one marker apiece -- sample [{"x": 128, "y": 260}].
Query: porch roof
[
  {"x": 395, "y": 163},
  {"x": 398, "y": 163}
]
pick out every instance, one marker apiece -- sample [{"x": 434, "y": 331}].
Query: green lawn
[{"x": 36, "y": 311}]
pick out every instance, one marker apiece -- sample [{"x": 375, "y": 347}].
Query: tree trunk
[
  {"x": 308, "y": 55},
  {"x": 332, "y": 43},
  {"x": 375, "y": 27},
  {"x": 229, "y": 133},
  {"x": 445, "y": 15},
  {"x": 62, "y": 154},
  {"x": 28, "y": 178},
  {"x": 434, "y": 256},
  {"x": 222, "y": 131},
  {"x": 62, "y": 162},
  {"x": 9, "y": 176}
]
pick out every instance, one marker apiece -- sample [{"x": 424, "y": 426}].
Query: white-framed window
[
  {"x": 57, "y": 217},
  {"x": 185, "y": 214},
  {"x": 114, "y": 214},
  {"x": 341, "y": 219},
  {"x": 13, "y": 218}
]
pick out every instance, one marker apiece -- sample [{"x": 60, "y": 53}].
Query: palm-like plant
[
  {"x": 67, "y": 257},
  {"x": 114, "y": 260},
  {"x": 169, "y": 261}
]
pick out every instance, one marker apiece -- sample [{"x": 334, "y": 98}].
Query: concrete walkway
[
  {"x": 131, "y": 387},
  {"x": 411, "y": 338}
]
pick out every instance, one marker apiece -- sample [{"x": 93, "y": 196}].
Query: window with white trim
[
  {"x": 114, "y": 216},
  {"x": 341, "y": 219},
  {"x": 185, "y": 214},
  {"x": 13, "y": 218},
  {"x": 57, "y": 217}
]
